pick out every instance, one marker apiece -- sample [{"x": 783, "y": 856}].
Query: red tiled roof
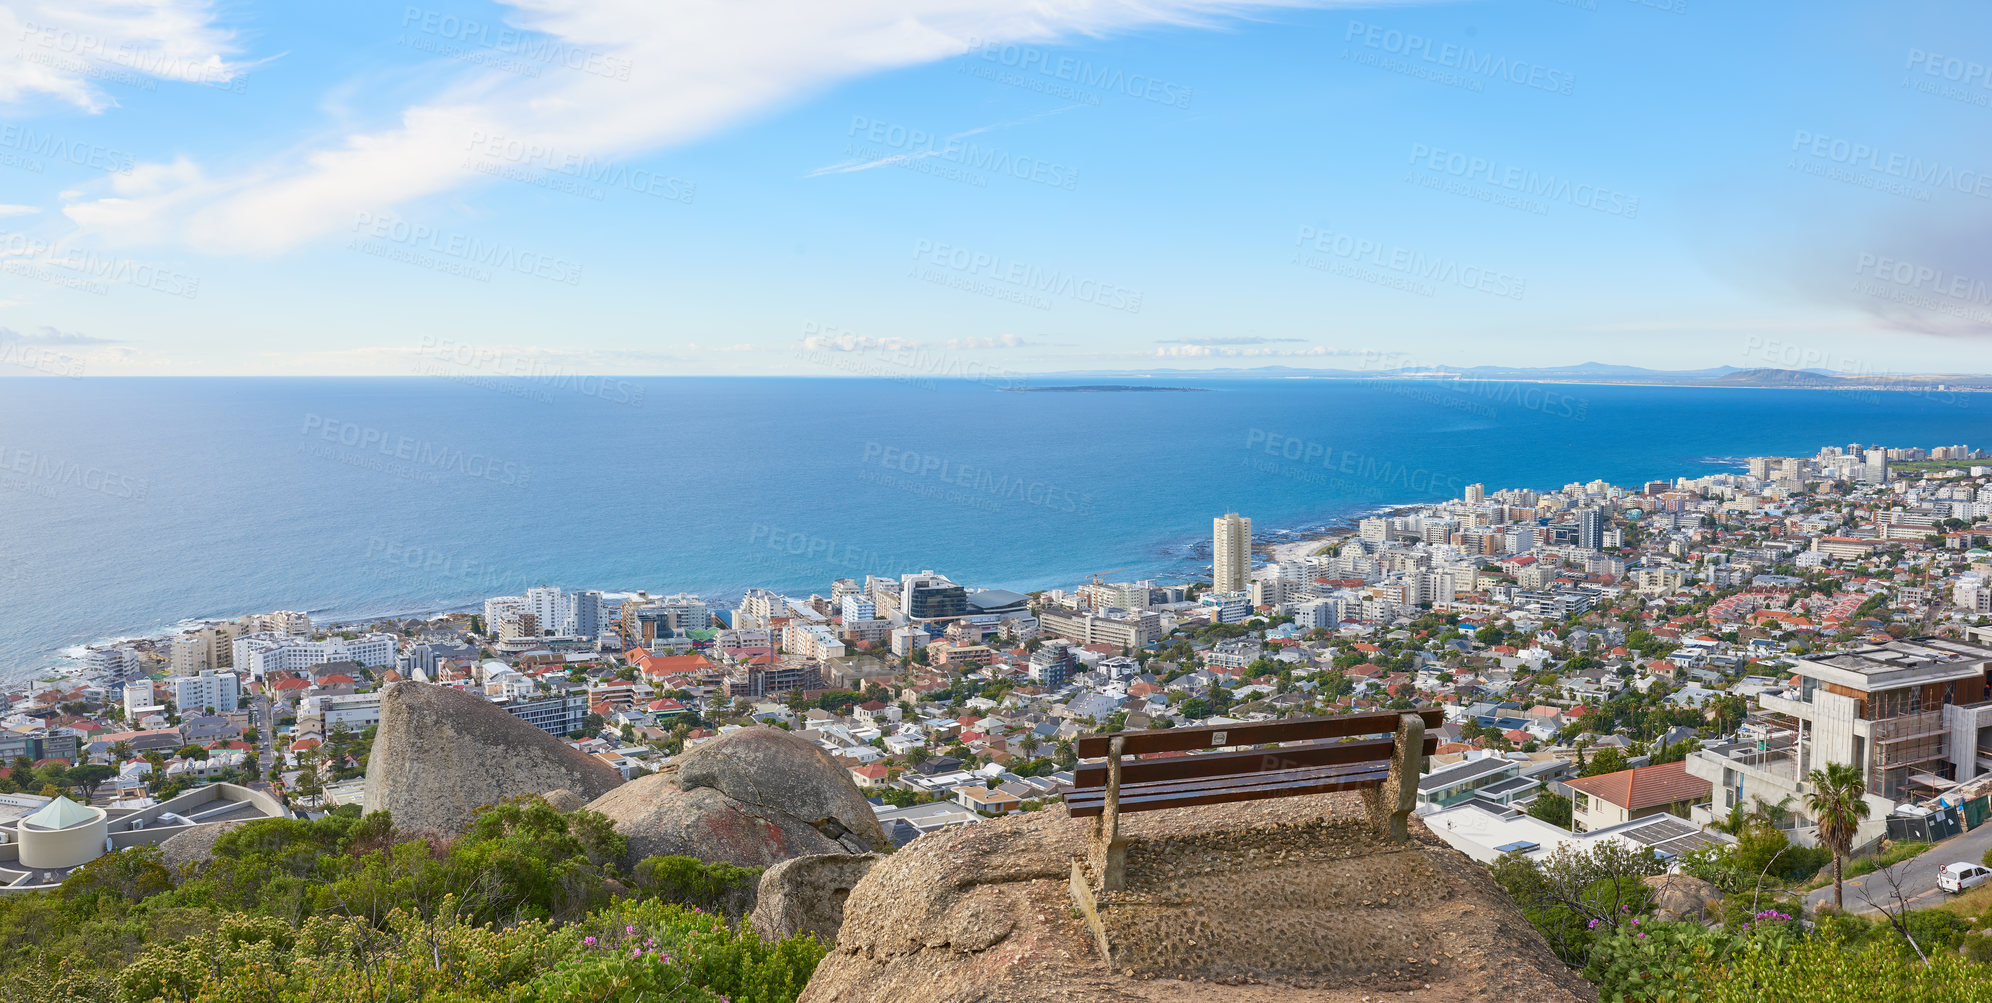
[{"x": 1645, "y": 786}]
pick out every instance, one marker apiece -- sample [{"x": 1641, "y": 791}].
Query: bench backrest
[{"x": 1293, "y": 729}]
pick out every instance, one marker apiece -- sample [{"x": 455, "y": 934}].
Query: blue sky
[{"x": 963, "y": 187}]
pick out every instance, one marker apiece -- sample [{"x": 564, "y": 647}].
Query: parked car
[{"x": 1955, "y": 878}]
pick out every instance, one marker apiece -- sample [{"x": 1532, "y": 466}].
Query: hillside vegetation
[{"x": 527, "y": 905}]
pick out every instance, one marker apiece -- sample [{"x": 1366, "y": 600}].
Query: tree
[
  {"x": 1551, "y": 808},
  {"x": 86, "y": 779},
  {"x": 1607, "y": 760},
  {"x": 309, "y": 786},
  {"x": 120, "y": 751},
  {"x": 1837, "y": 805}
]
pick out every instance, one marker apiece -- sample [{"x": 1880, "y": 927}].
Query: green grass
[{"x": 1893, "y": 855}]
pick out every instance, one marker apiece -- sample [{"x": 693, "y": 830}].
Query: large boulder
[
  {"x": 772, "y": 771},
  {"x": 441, "y": 753},
  {"x": 806, "y": 895},
  {"x": 752, "y": 797},
  {"x": 196, "y": 845},
  {"x": 1679, "y": 896},
  {"x": 1263, "y": 902},
  {"x": 661, "y": 819}
]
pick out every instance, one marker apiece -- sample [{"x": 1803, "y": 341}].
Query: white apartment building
[
  {"x": 855, "y": 606},
  {"x": 139, "y": 700},
  {"x": 114, "y": 662},
  {"x": 283, "y": 621},
  {"x": 219, "y": 690},
  {"x": 811, "y": 640},
  {"x": 355, "y": 711},
  {"x": 1231, "y": 552},
  {"x": 259, "y": 654}
]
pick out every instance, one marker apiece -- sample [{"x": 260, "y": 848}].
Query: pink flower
[{"x": 590, "y": 941}]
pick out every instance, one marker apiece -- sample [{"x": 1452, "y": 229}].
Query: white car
[{"x": 1957, "y": 877}]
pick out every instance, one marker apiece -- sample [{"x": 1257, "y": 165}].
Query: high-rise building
[
  {"x": 928, "y": 596},
  {"x": 587, "y": 614},
  {"x": 1591, "y": 528},
  {"x": 1231, "y": 553},
  {"x": 1876, "y": 469},
  {"x": 1476, "y": 493}
]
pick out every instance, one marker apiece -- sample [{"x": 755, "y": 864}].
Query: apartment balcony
[{"x": 1788, "y": 702}]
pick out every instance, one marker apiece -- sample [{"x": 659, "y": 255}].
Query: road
[{"x": 1917, "y": 875}]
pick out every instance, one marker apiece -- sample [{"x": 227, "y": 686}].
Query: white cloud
[
  {"x": 1226, "y": 341},
  {"x": 1000, "y": 341},
  {"x": 18, "y": 210},
  {"x": 650, "y": 75},
  {"x": 858, "y": 343},
  {"x": 65, "y": 45},
  {"x": 51, "y": 336}
]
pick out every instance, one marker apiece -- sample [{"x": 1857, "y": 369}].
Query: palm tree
[{"x": 1837, "y": 805}]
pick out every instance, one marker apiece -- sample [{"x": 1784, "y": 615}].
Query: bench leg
[
  {"x": 1113, "y": 872},
  {"x": 1390, "y": 806}
]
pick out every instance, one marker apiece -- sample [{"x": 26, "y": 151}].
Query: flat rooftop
[{"x": 1900, "y": 663}]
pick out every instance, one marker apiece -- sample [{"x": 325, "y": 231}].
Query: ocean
[{"x": 128, "y": 506}]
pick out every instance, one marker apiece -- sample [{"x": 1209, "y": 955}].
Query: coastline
[{"x": 67, "y": 662}]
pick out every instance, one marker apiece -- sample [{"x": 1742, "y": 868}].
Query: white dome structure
[{"x": 63, "y": 834}]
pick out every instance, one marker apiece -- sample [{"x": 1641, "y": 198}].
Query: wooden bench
[{"x": 1318, "y": 757}]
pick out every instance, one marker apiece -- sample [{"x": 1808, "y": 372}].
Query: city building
[
  {"x": 1591, "y": 529},
  {"x": 1912, "y": 715},
  {"x": 1609, "y": 799},
  {"x": 263, "y": 653},
  {"x": 1231, "y": 553},
  {"x": 928, "y": 596},
  {"x": 221, "y": 691},
  {"x": 1118, "y": 627}
]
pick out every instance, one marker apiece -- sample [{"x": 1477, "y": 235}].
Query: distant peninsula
[{"x": 1109, "y": 388}]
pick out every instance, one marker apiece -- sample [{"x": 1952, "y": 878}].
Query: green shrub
[{"x": 715, "y": 887}]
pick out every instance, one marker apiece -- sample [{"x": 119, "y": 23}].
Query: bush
[{"x": 689, "y": 881}]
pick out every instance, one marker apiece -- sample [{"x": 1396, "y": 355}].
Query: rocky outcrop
[
  {"x": 1286, "y": 900},
  {"x": 441, "y": 753},
  {"x": 752, "y": 797},
  {"x": 565, "y": 801},
  {"x": 1678, "y": 897},
  {"x": 196, "y": 845},
  {"x": 772, "y": 771},
  {"x": 806, "y": 895}
]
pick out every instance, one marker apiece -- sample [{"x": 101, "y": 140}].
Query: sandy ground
[{"x": 1281, "y": 552}]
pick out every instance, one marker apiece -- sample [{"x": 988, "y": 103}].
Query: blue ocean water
[{"x": 129, "y": 505}]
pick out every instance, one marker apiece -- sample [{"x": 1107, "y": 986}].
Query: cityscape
[{"x": 1178, "y": 501}]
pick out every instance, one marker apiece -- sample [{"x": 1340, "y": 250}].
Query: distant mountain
[
  {"x": 1781, "y": 377},
  {"x": 1583, "y": 372}
]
